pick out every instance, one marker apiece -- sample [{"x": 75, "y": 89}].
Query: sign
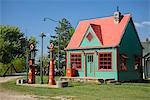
[
  {"x": 51, "y": 46},
  {"x": 31, "y": 46}
]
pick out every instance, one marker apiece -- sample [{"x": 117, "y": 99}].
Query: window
[
  {"x": 123, "y": 60},
  {"x": 137, "y": 62},
  {"x": 89, "y": 36},
  {"x": 90, "y": 58},
  {"x": 105, "y": 61},
  {"x": 76, "y": 61}
]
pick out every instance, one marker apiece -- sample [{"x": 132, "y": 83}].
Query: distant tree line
[{"x": 12, "y": 48}]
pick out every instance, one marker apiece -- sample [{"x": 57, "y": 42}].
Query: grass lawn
[{"x": 83, "y": 91}]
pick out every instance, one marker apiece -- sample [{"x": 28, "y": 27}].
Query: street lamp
[
  {"x": 41, "y": 68},
  {"x": 46, "y": 18}
]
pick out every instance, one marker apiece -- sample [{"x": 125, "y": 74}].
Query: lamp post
[
  {"x": 41, "y": 68},
  {"x": 46, "y": 18}
]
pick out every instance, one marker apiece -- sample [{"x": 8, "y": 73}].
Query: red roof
[{"x": 107, "y": 31}]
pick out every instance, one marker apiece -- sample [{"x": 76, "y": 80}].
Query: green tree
[
  {"x": 46, "y": 61},
  {"x": 12, "y": 48},
  {"x": 10, "y": 44},
  {"x": 31, "y": 40},
  {"x": 65, "y": 30}
]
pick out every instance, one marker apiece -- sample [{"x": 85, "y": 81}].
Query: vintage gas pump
[
  {"x": 31, "y": 74},
  {"x": 51, "y": 71}
]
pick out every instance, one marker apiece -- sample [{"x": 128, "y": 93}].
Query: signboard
[
  {"x": 31, "y": 46},
  {"x": 51, "y": 46}
]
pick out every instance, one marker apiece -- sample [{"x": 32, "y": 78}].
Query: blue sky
[{"x": 28, "y": 14}]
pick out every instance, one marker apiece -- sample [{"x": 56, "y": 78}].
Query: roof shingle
[{"x": 106, "y": 30}]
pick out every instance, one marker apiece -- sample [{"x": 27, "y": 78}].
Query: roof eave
[{"x": 81, "y": 48}]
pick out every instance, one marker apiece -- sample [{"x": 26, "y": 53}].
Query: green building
[{"x": 105, "y": 48}]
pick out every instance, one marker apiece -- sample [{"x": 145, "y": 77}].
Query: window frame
[
  {"x": 89, "y": 33},
  {"x": 139, "y": 62},
  {"x": 125, "y": 58},
  {"x": 80, "y": 60},
  {"x": 105, "y": 70}
]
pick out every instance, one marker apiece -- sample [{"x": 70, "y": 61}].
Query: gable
[
  {"x": 130, "y": 41},
  {"x": 90, "y": 38}
]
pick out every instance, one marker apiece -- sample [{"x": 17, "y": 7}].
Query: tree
[
  {"x": 45, "y": 63},
  {"x": 13, "y": 48},
  {"x": 31, "y": 40},
  {"x": 10, "y": 44},
  {"x": 65, "y": 30}
]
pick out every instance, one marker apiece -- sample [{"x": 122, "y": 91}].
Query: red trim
[
  {"x": 93, "y": 62},
  {"x": 76, "y": 53},
  {"x": 104, "y": 70},
  {"x": 85, "y": 53},
  {"x": 89, "y": 52},
  {"x": 90, "y": 47},
  {"x": 138, "y": 59},
  {"x": 85, "y": 65},
  {"x": 124, "y": 61},
  {"x": 88, "y": 38}
]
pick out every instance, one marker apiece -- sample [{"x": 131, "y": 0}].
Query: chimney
[{"x": 117, "y": 16}]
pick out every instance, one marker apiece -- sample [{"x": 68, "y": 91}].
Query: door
[{"x": 90, "y": 65}]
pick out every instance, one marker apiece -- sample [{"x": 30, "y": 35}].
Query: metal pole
[
  {"x": 59, "y": 52},
  {"x": 41, "y": 73},
  {"x": 26, "y": 46},
  {"x": 58, "y": 41},
  {"x": 27, "y": 67},
  {"x": 26, "y": 59}
]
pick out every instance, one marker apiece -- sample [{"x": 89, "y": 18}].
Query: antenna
[{"x": 117, "y": 8}]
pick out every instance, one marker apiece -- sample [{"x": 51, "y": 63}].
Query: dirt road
[{"x": 6, "y": 95}]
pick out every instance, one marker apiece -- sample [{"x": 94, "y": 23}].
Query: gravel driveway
[{"x": 6, "y": 95}]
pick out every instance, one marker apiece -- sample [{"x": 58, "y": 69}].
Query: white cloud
[
  {"x": 138, "y": 24},
  {"x": 142, "y": 24},
  {"x": 146, "y": 23}
]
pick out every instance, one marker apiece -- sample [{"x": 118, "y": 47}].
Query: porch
[{"x": 88, "y": 79}]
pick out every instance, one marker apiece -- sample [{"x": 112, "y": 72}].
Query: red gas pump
[
  {"x": 51, "y": 71},
  {"x": 31, "y": 74}
]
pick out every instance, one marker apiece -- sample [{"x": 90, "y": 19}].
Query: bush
[
  {"x": 18, "y": 63},
  {"x": 3, "y": 68}
]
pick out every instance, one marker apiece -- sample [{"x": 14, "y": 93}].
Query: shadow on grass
[{"x": 139, "y": 81}]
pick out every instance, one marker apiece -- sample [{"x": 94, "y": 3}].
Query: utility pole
[
  {"x": 41, "y": 68},
  {"x": 58, "y": 51}
]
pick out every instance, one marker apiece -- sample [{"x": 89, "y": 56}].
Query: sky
[{"x": 28, "y": 15}]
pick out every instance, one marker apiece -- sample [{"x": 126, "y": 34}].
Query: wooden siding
[
  {"x": 98, "y": 74},
  {"x": 131, "y": 46}
]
